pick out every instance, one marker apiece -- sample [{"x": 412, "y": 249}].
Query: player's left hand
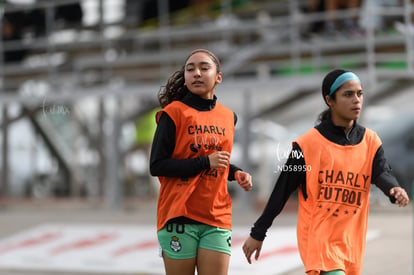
[
  {"x": 401, "y": 197},
  {"x": 244, "y": 180}
]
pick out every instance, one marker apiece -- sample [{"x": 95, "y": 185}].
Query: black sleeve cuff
[
  {"x": 232, "y": 169},
  {"x": 257, "y": 235},
  {"x": 385, "y": 182},
  {"x": 204, "y": 162}
]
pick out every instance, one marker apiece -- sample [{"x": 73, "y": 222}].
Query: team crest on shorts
[{"x": 175, "y": 244}]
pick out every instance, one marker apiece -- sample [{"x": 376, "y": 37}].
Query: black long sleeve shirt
[
  {"x": 290, "y": 181},
  {"x": 161, "y": 163}
]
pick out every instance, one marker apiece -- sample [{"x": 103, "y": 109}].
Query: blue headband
[{"x": 341, "y": 80}]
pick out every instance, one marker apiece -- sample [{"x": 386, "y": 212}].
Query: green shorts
[
  {"x": 333, "y": 272},
  {"x": 181, "y": 241}
]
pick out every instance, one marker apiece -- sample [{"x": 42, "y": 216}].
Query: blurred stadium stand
[{"x": 83, "y": 85}]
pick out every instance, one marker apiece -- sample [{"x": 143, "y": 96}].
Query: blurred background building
[{"x": 77, "y": 78}]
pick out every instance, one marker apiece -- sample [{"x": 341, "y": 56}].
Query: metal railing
[
  {"x": 256, "y": 47},
  {"x": 257, "y": 52}
]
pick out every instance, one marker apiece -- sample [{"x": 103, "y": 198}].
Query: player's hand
[
  {"x": 244, "y": 180},
  {"x": 219, "y": 159},
  {"x": 251, "y": 246},
  {"x": 401, "y": 197}
]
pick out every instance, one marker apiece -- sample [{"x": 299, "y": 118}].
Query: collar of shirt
[
  {"x": 199, "y": 103},
  {"x": 337, "y": 134}
]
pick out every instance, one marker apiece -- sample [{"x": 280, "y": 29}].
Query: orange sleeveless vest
[
  {"x": 204, "y": 197},
  {"x": 332, "y": 222}
]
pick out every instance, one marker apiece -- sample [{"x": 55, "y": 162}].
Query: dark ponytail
[{"x": 173, "y": 90}]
